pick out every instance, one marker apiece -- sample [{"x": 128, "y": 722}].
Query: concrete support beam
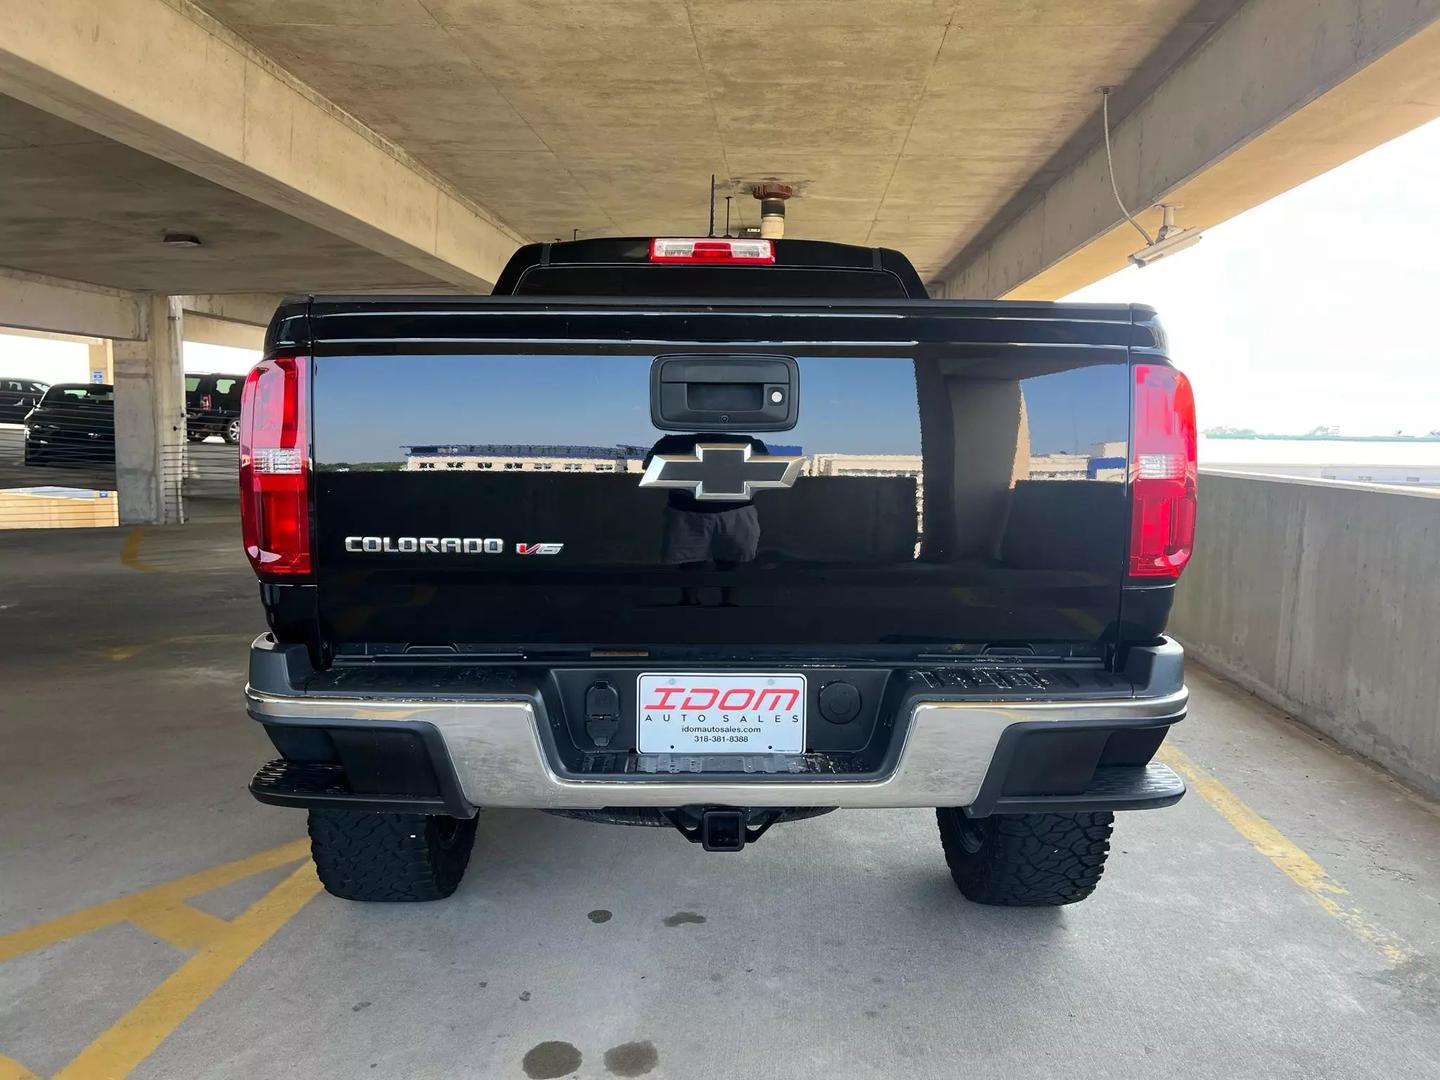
[
  {"x": 208, "y": 331},
  {"x": 1282, "y": 92},
  {"x": 36, "y": 302},
  {"x": 167, "y": 79},
  {"x": 234, "y": 319},
  {"x": 252, "y": 309},
  {"x": 49, "y": 335},
  {"x": 150, "y": 418}
]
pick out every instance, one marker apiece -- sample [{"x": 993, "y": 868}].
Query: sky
[{"x": 1316, "y": 308}]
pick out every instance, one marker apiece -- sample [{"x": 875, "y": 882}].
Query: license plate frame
[{"x": 706, "y": 728}]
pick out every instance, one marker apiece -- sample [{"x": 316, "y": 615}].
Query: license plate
[{"x": 695, "y": 712}]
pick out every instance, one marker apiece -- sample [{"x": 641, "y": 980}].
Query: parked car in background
[
  {"x": 74, "y": 424},
  {"x": 18, "y": 397},
  {"x": 212, "y": 406}
]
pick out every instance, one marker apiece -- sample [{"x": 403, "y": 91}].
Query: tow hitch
[
  {"x": 718, "y": 828},
  {"x": 715, "y": 828},
  {"x": 723, "y": 828}
]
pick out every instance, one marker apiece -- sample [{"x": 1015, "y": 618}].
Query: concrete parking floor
[{"x": 1282, "y": 921}]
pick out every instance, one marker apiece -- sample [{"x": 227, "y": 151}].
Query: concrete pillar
[
  {"x": 150, "y": 418},
  {"x": 102, "y": 362}
]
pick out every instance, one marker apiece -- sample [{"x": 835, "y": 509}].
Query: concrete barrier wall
[{"x": 1324, "y": 599}]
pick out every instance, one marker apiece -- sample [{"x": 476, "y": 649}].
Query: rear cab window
[
  {"x": 79, "y": 395},
  {"x": 738, "y": 282}
]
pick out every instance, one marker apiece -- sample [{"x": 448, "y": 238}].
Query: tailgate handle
[{"x": 718, "y": 392}]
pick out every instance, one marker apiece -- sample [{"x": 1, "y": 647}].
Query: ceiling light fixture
[
  {"x": 180, "y": 239},
  {"x": 1171, "y": 237}
]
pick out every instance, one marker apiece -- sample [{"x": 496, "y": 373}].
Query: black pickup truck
[{"x": 715, "y": 534}]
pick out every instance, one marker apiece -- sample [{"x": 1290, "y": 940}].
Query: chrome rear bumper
[{"x": 497, "y": 757}]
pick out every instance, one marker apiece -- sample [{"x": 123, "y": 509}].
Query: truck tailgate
[{"x": 501, "y": 473}]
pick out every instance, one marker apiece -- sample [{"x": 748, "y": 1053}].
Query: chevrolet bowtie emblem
[{"x": 729, "y": 471}]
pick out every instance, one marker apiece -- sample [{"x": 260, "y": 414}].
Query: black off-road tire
[
  {"x": 389, "y": 857},
  {"x": 1025, "y": 860}
]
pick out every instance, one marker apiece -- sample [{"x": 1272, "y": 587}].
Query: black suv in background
[
  {"x": 18, "y": 397},
  {"x": 212, "y": 406}
]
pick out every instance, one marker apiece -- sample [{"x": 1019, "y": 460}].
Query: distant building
[
  {"x": 1105, "y": 461},
  {"x": 864, "y": 465},
  {"x": 524, "y": 457},
  {"x": 1058, "y": 466},
  {"x": 534, "y": 457}
]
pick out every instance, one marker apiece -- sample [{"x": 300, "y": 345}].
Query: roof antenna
[
  {"x": 574, "y": 234},
  {"x": 727, "y": 214},
  {"x": 712, "y": 205}
]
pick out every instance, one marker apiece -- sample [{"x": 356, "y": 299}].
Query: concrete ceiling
[
  {"x": 918, "y": 124},
  {"x": 905, "y": 123},
  {"x": 77, "y": 205}
]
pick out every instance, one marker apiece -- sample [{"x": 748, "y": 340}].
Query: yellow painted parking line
[
  {"x": 135, "y": 1035},
  {"x": 1286, "y": 854},
  {"x": 13, "y": 1070},
  {"x": 181, "y": 925},
  {"x": 219, "y": 947},
  {"x": 125, "y": 652},
  {"x": 161, "y": 896},
  {"x": 130, "y": 552}
]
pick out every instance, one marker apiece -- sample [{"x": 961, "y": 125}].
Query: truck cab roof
[{"x": 626, "y": 266}]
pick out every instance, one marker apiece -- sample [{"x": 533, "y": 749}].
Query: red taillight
[
  {"x": 1162, "y": 473},
  {"x": 678, "y": 249},
  {"x": 275, "y": 466},
  {"x": 205, "y": 402}
]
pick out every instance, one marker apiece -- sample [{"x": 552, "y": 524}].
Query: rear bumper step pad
[
  {"x": 1115, "y": 787},
  {"x": 308, "y": 784}
]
